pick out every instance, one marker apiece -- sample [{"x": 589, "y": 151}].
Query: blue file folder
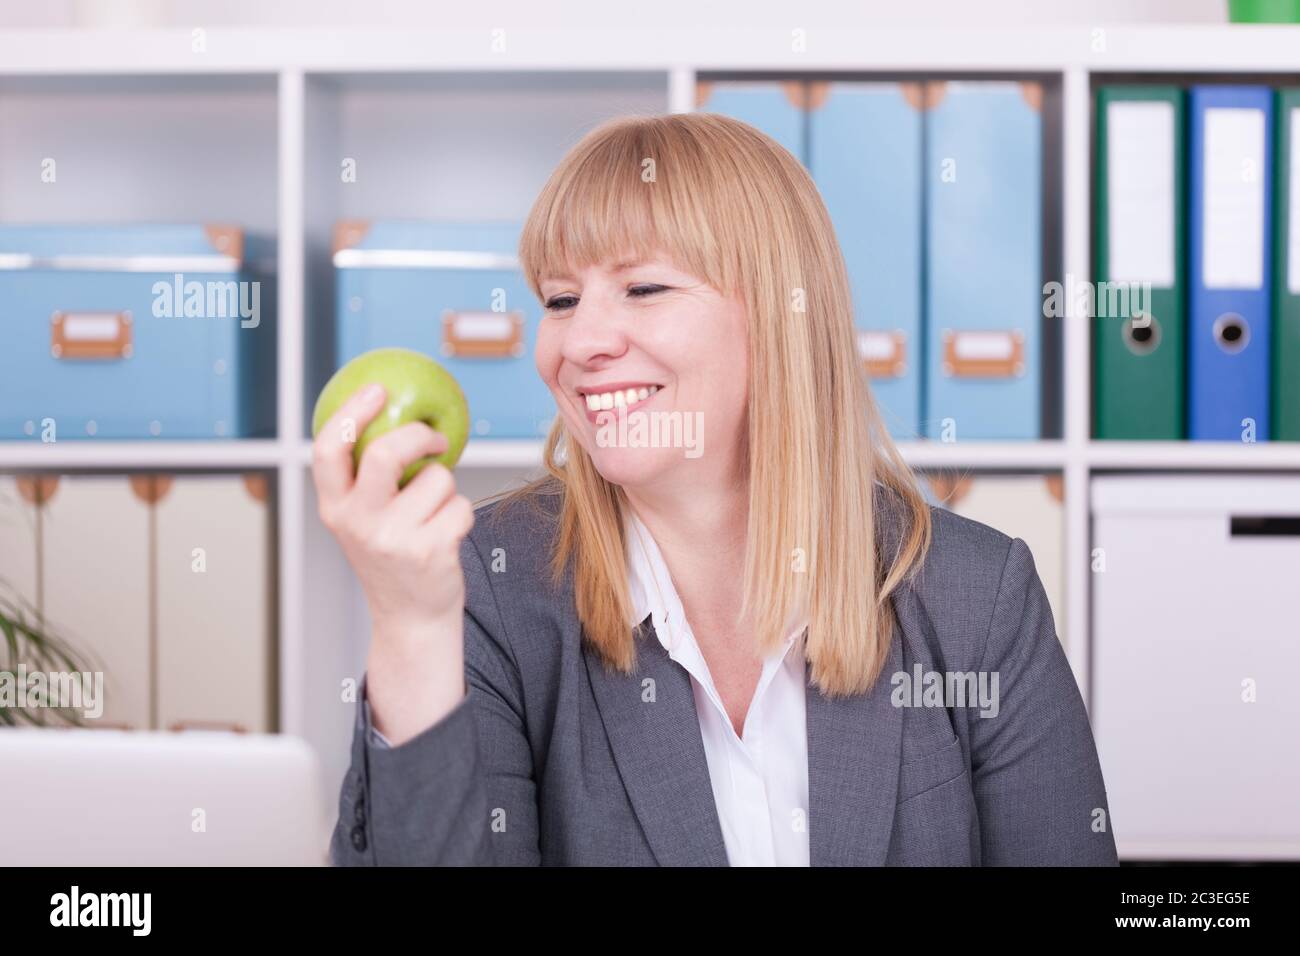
[
  {"x": 983, "y": 239},
  {"x": 864, "y": 152},
  {"x": 1230, "y": 206}
]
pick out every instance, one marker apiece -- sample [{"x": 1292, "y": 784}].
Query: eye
[
  {"x": 567, "y": 301},
  {"x": 641, "y": 291},
  {"x": 560, "y": 302}
]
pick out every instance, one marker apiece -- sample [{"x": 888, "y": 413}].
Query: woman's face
[{"x": 649, "y": 367}]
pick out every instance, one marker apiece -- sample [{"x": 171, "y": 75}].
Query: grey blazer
[{"x": 552, "y": 759}]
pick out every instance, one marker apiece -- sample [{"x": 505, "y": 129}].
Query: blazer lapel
[
  {"x": 660, "y": 753},
  {"x": 854, "y": 749}
]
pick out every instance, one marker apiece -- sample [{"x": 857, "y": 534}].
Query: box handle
[
  {"x": 1265, "y": 526},
  {"x": 883, "y": 353},
  {"x": 90, "y": 335},
  {"x": 996, "y": 353},
  {"x": 482, "y": 334}
]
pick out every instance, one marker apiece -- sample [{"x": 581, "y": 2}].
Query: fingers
[
  {"x": 385, "y": 458},
  {"x": 425, "y": 494},
  {"x": 451, "y": 522},
  {"x": 331, "y": 454}
]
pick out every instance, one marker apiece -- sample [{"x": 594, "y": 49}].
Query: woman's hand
[{"x": 405, "y": 548}]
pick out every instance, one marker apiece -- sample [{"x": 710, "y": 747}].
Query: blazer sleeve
[
  {"x": 461, "y": 792},
  {"x": 1036, "y": 777}
]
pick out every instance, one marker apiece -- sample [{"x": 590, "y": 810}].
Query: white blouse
[{"x": 759, "y": 779}]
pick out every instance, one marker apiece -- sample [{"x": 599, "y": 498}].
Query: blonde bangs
[{"x": 626, "y": 190}]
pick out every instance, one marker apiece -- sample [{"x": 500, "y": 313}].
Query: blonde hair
[{"x": 729, "y": 205}]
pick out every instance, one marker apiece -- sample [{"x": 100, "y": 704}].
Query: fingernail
[{"x": 372, "y": 392}]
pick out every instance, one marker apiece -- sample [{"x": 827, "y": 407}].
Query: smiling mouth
[
  {"x": 615, "y": 398},
  {"x": 628, "y": 398}
]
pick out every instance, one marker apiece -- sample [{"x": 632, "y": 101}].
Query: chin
[{"x": 635, "y": 467}]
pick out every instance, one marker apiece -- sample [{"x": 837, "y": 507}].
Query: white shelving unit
[{"x": 473, "y": 121}]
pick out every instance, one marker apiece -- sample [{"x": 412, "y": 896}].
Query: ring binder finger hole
[
  {"x": 1231, "y": 332},
  {"x": 1142, "y": 334}
]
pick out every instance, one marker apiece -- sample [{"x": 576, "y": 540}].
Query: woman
[{"x": 674, "y": 650}]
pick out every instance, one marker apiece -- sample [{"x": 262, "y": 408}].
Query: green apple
[{"x": 419, "y": 390}]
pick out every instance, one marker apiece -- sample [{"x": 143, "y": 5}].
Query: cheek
[
  {"x": 726, "y": 371},
  {"x": 546, "y": 355},
  {"x": 732, "y": 397}
]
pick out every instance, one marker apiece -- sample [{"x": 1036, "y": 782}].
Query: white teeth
[{"x": 623, "y": 398}]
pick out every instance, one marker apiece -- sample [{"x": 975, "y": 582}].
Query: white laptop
[{"x": 148, "y": 798}]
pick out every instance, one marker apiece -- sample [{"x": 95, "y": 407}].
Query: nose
[{"x": 592, "y": 332}]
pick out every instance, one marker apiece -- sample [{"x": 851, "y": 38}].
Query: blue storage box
[
  {"x": 161, "y": 331},
  {"x": 454, "y": 292}
]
